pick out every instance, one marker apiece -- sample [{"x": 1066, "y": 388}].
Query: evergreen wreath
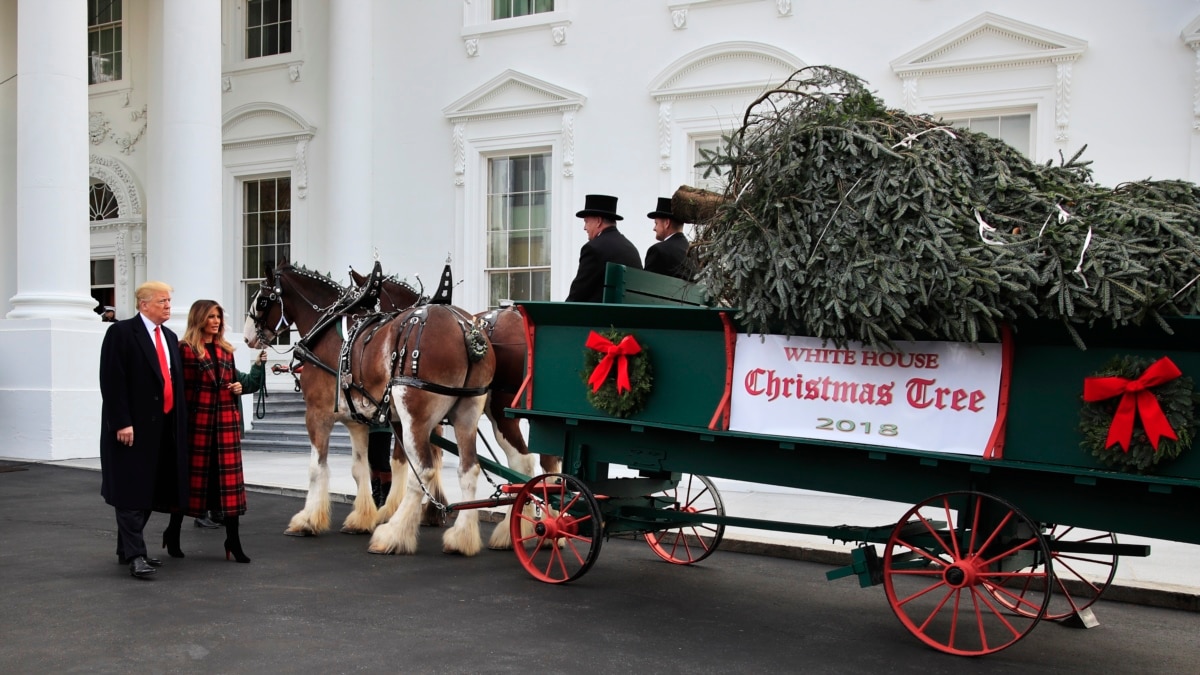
[
  {"x": 641, "y": 380},
  {"x": 1178, "y": 401}
]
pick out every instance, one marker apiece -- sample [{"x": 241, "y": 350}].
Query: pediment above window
[
  {"x": 513, "y": 94},
  {"x": 1191, "y": 33},
  {"x": 987, "y": 42},
  {"x": 263, "y": 124},
  {"x": 726, "y": 68}
]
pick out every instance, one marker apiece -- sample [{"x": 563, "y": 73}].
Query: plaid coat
[{"x": 215, "y": 428}]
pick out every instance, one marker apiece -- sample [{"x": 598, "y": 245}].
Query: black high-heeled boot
[
  {"x": 233, "y": 545},
  {"x": 171, "y": 536}
]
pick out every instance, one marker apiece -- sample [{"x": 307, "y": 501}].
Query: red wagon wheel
[
  {"x": 951, "y": 557},
  {"x": 556, "y": 528},
  {"x": 1079, "y": 578},
  {"x": 689, "y": 543}
]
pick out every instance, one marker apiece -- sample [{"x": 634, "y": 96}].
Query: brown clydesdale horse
[
  {"x": 506, "y": 330},
  {"x": 414, "y": 369}
]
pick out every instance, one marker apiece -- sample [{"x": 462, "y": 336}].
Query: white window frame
[
  {"x": 479, "y": 24},
  {"x": 694, "y": 141},
  {"x": 960, "y": 116},
  {"x": 475, "y": 193},
  {"x": 118, "y": 23},
  {"x": 1036, "y": 101},
  {"x": 239, "y": 240},
  {"x": 538, "y": 116},
  {"x": 110, "y": 286},
  {"x": 235, "y": 61},
  {"x": 235, "y": 179},
  {"x": 520, "y": 152},
  {"x": 125, "y": 83}
]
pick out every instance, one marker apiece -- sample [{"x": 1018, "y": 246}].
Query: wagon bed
[{"x": 983, "y": 534}]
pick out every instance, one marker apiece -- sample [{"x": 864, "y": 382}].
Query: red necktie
[{"x": 168, "y": 391}]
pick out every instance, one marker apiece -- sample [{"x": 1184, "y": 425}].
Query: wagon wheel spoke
[
  {"x": 557, "y": 528},
  {"x": 689, "y": 543},
  {"x": 1079, "y": 578},
  {"x": 975, "y": 586}
]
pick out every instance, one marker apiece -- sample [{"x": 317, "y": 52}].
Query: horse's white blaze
[{"x": 250, "y": 332}]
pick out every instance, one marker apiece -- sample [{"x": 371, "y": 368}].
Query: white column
[
  {"x": 52, "y": 162},
  {"x": 184, "y": 236},
  {"x": 8, "y": 157},
  {"x": 50, "y": 340},
  {"x": 351, "y": 168}
]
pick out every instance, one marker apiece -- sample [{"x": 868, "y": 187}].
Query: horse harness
[
  {"x": 403, "y": 363},
  {"x": 366, "y": 324},
  {"x": 490, "y": 320}
]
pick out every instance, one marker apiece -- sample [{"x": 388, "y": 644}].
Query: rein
[{"x": 260, "y": 401}]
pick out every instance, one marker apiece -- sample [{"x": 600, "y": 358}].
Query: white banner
[{"x": 936, "y": 396}]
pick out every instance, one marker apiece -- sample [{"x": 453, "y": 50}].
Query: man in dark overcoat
[
  {"x": 143, "y": 444},
  {"x": 605, "y": 244},
  {"x": 670, "y": 255}
]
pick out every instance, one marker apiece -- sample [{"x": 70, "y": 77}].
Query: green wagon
[{"x": 990, "y": 547}]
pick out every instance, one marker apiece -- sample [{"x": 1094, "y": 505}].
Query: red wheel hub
[{"x": 961, "y": 574}]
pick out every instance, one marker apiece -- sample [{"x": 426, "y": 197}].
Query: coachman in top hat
[{"x": 605, "y": 244}]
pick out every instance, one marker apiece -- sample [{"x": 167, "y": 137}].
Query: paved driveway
[{"x": 324, "y": 605}]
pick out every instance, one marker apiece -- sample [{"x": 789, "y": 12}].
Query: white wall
[{"x": 1129, "y": 97}]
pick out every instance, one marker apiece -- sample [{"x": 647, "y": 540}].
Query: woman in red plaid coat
[{"x": 214, "y": 426}]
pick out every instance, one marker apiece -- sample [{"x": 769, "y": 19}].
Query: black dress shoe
[
  {"x": 153, "y": 562},
  {"x": 138, "y": 567},
  {"x": 206, "y": 523}
]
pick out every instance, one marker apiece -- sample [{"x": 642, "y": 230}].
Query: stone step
[
  {"x": 280, "y": 408},
  {"x": 291, "y": 446}
]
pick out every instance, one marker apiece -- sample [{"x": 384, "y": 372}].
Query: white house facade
[{"x": 197, "y": 142}]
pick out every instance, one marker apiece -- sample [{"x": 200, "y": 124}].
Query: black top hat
[
  {"x": 604, "y": 206},
  {"x": 663, "y": 210}
]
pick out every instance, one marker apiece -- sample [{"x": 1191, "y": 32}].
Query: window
[
  {"x": 266, "y": 232},
  {"x": 104, "y": 41},
  {"x": 104, "y": 285},
  {"x": 102, "y": 203},
  {"x": 506, "y": 9},
  {"x": 268, "y": 28},
  {"x": 518, "y": 228},
  {"x": 1012, "y": 129},
  {"x": 716, "y": 180}
]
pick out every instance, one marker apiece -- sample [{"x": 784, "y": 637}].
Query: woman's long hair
[{"x": 194, "y": 335}]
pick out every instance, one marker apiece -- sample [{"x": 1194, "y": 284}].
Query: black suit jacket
[
  {"x": 669, "y": 257},
  {"x": 608, "y": 246},
  {"x": 151, "y": 473}
]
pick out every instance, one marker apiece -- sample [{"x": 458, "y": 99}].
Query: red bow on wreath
[
  {"x": 1135, "y": 398},
  {"x": 618, "y": 353}
]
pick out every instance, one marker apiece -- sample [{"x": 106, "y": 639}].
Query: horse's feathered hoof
[
  {"x": 300, "y": 533},
  {"x": 354, "y": 530}
]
